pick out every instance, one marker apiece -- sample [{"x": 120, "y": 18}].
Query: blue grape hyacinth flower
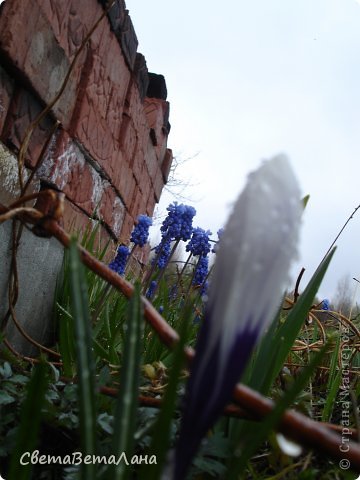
[
  {"x": 199, "y": 243},
  {"x": 178, "y": 223},
  {"x": 201, "y": 272},
  {"x": 151, "y": 289},
  {"x": 163, "y": 251},
  {"x": 325, "y": 304},
  {"x": 119, "y": 262},
  {"x": 140, "y": 233},
  {"x": 256, "y": 250}
]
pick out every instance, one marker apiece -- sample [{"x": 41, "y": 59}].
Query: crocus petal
[
  {"x": 251, "y": 270},
  {"x": 287, "y": 446}
]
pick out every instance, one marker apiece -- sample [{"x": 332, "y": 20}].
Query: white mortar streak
[{"x": 9, "y": 173}]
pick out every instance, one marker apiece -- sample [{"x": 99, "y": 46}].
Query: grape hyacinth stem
[
  {"x": 150, "y": 272},
  {"x": 185, "y": 265},
  {"x": 162, "y": 271},
  {"x": 104, "y": 298},
  {"x": 190, "y": 287}
]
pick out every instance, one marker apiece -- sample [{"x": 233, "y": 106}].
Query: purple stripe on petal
[{"x": 208, "y": 390}]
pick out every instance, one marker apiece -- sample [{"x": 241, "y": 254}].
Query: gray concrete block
[{"x": 39, "y": 263}]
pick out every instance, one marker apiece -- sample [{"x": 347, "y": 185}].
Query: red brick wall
[{"x": 109, "y": 154}]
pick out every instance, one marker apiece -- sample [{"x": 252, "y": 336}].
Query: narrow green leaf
[
  {"x": 67, "y": 345},
  {"x": 100, "y": 351},
  {"x": 104, "y": 250},
  {"x": 330, "y": 398},
  {"x": 162, "y": 429},
  {"x": 263, "y": 358},
  {"x": 88, "y": 240},
  {"x": 277, "y": 346},
  {"x": 333, "y": 384},
  {"x": 84, "y": 357},
  {"x": 126, "y": 407},
  {"x": 30, "y": 418},
  {"x": 270, "y": 422},
  {"x": 288, "y": 332}
]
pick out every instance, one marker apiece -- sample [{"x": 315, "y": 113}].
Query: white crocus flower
[
  {"x": 251, "y": 271},
  {"x": 287, "y": 446}
]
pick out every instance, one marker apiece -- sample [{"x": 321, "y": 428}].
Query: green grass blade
[
  {"x": 100, "y": 352},
  {"x": 30, "y": 418},
  {"x": 161, "y": 435},
  {"x": 272, "y": 420},
  {"x": 254, "y": 375},
  {"x": 67, "y": 344},
  {"x": 84, "y": 357},
  {"x": 330, "y": 398},
  {"x": 333, "y": 384},
  {"x": 276, "y": 352},
  {"x": 277, "y": 343},
  {"x": 126, "y": 407},
  {"x": 89, "y": 237}
]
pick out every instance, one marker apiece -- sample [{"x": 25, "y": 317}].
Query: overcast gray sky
[{"x": 249, "y": 79}]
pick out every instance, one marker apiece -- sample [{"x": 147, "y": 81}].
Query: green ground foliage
[{"x": 101, "y": 396}]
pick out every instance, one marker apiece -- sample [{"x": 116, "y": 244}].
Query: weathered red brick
[
  {"x": 106, "y": 147},
  {"x": 138, "y": 167},
  {"x": 112, "y": 210},
  {"x": 110, "y": 80},
  {"x": 142, "y": 254},
  {"x": 71, "y": 29},
  {"x": 151, "y": 161},
  {"x": 103, "y": 89},
  {"x": 116, "y": 14},
  {"x": 92, "y": 132},
  {"x": 126, "y": 229},
  {"x": 150, "y": 204},
  {"x": 65, "y": 166},
  {"x": 157, "y": 114},
  {"x": 23, "y": 109},
  {"x": 154, "y": 113},
  {"x": 128, "y": 40},
  {"x": 166, "y": 164},
  {"x": 71, "y": 21},
  {"x": 141, "y": 75},
  {"x": 134, "y": 208},
  {"x": 134, "y": 108},
  {"x": 145, "y": 183},
  {"x": 35, "y": 44},
  {"x": 158, "y": 184},
  {"x": 160, "y": 148},
  {"x": 128, "y": 138},
  {"x": 125, "y": 183},
  {"x": 138, "y": 205},
  {"x": 6, "y": 91},
  {"x": 104, "y": 78},
  {"x": 123, "y": 28},
  {"x": 77, "y": 222}
]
